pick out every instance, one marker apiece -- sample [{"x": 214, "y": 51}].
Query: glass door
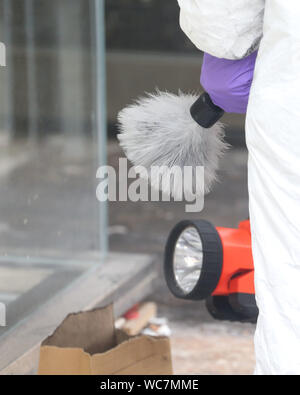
[{"x": 52, "y": 140}]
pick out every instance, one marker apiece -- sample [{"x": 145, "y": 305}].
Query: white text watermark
[
  {"x": 2, "y": 54},
  {"x": 138, "y": 184},
  {"x": 2, "y": 314}
]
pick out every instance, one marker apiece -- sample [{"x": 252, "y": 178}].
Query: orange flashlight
[{"x": 215, "y": 264}]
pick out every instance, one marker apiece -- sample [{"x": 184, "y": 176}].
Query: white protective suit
[{"x": 231, "y": 29}]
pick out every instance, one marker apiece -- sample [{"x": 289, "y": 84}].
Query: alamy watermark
[
  {"x": 2, "y": 314},
  {"x": 139, "y": 184},
  {"x": 2, "y": 55}
]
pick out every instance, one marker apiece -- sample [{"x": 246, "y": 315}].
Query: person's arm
[{"x": 229, "y": 29}]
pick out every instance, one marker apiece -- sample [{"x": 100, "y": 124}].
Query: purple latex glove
[{"x": 228, "y": 82}]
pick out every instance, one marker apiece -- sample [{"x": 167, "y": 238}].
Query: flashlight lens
[{"x": 188, "y": 259}]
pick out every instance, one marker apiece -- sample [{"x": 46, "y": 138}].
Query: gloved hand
[{"x": 228, "y": 82}]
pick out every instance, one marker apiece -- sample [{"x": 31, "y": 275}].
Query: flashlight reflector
[
  {"x": 193, "y": 260},
  {"x": 188, "y": 259}
]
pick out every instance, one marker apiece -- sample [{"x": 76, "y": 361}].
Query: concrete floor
[{"x": 200, "y": 345}]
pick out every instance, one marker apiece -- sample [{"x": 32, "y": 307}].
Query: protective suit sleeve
[
  {"x": 229, "y": 29},
  {"x": 228, "y": 82}
]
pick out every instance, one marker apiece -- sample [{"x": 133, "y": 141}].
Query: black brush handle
[{"x": 205, "y": 112}]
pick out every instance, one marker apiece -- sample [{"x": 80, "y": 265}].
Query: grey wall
[
  {"x": 52, "y": 52},
  {"x": 128, "y": 76}
]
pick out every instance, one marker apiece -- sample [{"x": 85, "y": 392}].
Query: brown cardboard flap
[
  {"x": 93, "y": 331},
  {"x": 64, "y": 361},
  {"x": 128, "y": 354},
  {"x": 155, "y": 365}
]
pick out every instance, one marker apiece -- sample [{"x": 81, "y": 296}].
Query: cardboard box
[{"x": 87, "y": 343}]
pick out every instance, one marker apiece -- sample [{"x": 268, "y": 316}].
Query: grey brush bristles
[{"x": 158, "y": 130}]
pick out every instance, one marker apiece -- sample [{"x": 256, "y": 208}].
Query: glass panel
[{"x": 52, "y": 140}]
